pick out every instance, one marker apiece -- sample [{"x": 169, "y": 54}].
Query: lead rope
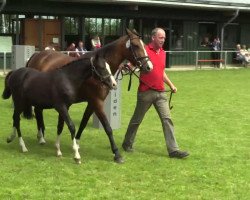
[{"x": 131, "y": 72}]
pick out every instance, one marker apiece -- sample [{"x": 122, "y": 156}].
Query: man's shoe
[
  {"x": 178, "y": 154},
  {"x": 127, "y": 148}
]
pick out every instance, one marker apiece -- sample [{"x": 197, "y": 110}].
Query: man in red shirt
[{"x": 151, "y": 91}]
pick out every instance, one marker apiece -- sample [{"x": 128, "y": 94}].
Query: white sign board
[{"x": 112, "y": 108}]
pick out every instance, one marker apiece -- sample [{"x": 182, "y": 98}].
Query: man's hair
[{"x": 155, "y": 30}]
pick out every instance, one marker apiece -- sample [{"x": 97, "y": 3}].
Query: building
[{"x": 189, "y": 23}]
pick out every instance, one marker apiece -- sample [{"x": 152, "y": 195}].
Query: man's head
[
  {"x": 238, "y": 46},
  {"x": 158, "y": 37},
  {"x": 80, "y": 44}
]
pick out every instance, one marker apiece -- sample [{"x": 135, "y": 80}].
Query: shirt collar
[{"x": 152, "y": 48}]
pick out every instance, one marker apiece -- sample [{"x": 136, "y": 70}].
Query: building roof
[{"x": 193, "y": 4}]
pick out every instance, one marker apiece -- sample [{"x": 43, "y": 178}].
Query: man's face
[
  {"x": 159, "y": 38},
  {"x": 80, "y": 44}
]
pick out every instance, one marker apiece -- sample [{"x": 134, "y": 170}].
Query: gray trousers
[{"x": 144, "y": 102}]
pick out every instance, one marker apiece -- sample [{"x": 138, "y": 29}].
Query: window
[
  {"x": 7, "y": 24},
  {"x": 93, "y": 26},
  {"x": 207, "y": 33},
  {"x": 147, "y": 26},
  {"x": 177, "y": 35},
  {"x": 71, "y": 25},
  {"x": 112, "y": 26},
  {"x": 107, "y": 29}
]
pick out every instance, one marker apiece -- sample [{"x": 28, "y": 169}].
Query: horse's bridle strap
[
  {"x": 137, "y": 59},
  {"x": 94, "y": 71}
]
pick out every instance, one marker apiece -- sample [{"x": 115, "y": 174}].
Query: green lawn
[{"x": 212, "y": 121}]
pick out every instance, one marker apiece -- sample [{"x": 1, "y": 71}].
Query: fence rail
[{"x": 191, "y": 57}]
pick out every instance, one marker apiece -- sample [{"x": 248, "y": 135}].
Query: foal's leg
[
  {"x": 88, "y": 112},
  {"x": 59, "y": 131},
  {"x": 103, "y": 119},
  {"x": 16, "y": 126},
  {"x": 12, "y": 136},
  {"x": 14, "y": 132},
  {"x": 63, "y": 111},
  {"x": 40, "y": 125}
]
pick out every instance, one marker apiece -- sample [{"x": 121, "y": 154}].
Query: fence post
[
  {"x": 4, "y": 62},
  {"x": 225, "y": 60},
  {"x": 196, "y": 60}
]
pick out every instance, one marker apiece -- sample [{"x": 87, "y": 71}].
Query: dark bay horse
[
  {"x": 54, "y": 89},
  {"x": 128, "y": 47}
]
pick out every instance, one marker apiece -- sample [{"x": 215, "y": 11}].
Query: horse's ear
[
  {"x": 128, "y": 31},
  {"x": 135, "y": 32},
  {"x": 99, "y": 61}
]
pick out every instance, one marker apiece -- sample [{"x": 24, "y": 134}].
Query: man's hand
[{"x": 173, "y": 89}]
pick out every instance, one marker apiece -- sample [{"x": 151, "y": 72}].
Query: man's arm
[
  {"x": 77, "y": 54},
  {"x": 169, "y": 83}
]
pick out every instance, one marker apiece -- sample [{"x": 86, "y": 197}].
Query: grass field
[{"x": 212, "y": 121}]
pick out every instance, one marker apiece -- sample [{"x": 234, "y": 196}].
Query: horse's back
[{"x": 49, "y": 60}]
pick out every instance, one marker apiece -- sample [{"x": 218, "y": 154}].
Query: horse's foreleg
[
  {"x": 85, "y": 118},
  {"x": 40, "y": 125},
  {"x": 12, "y": 136},
  {"x": 16, "y": 126},
  {"x": 103, "y": 119},
  {"x": 59, "y": 131},
  {"x": 63, "y": 111}
]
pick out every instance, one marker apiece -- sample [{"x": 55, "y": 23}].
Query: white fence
[{"x": 224, "y": 56}]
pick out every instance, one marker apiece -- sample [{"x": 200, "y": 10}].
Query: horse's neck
[
  {"x": 115, "y": 57},
  {"x": 78, "y": 71}
]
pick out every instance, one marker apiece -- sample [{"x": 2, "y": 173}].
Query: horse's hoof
[
  {"x": 118, "y": 160},
  {"x": 24, "y": 150},
  {"x": 9, "y": 140},
  {"x": 42, "y": 142},
  {"x": 59, "y": 154},
  {"x": 77, "y": 160}
]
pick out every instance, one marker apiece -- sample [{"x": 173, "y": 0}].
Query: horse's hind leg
[
  {"x": 103, "y": 119},
  {"x": 40, "y": 125},
  {"x": 59, "y": 131},
  {"x": 63, "y": 111},
  {"x": 16, "y": 125},
  {"x": 88, "y": 112}
]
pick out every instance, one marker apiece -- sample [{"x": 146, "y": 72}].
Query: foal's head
[
  {"x": 101, "y": 70},
  {"x": 137, "y": 53}
]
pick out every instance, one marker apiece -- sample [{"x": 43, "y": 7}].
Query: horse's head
[
  {"x": 101, "y": 70},
  {"x": 138, "y": 55}
]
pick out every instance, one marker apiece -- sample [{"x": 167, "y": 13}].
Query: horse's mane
[
  {"x": 74, "y": 62},
  {"x": 104, "y": 51},
  {"x": 108, "y": 48}
]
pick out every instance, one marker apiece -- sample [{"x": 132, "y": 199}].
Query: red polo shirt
[{"x": 154, "y": 78}]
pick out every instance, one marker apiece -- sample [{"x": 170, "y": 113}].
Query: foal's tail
[{"x": 7, "y": 92}]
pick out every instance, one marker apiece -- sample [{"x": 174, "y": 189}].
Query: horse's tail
[
  {"x": 7, "y": 92},
  {"x": 27, "y": 112}
]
